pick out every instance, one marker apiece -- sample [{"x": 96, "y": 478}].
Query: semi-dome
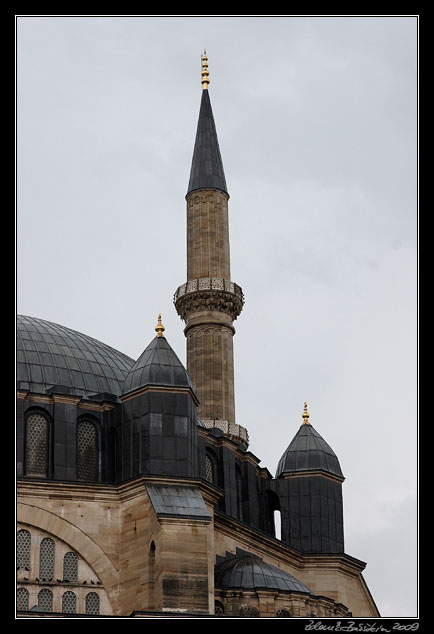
[
  {"x": 50, "y": 355},
  {"x": 247, "y": 571},
  {"x": 308, "y": 451},
  {"x": 158, "y": 365}
]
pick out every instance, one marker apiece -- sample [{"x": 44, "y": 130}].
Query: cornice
[
  {"x": 50, "y": 489},
  {"x": 78, "y": 401},
  {"x": 162, "y": 389}
]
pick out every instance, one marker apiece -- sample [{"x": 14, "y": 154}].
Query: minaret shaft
[{"x": 208, "y": 235}]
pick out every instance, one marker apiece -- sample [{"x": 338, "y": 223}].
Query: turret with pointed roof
[{"x": 309, "y": 487}]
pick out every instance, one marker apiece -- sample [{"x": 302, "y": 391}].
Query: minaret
[{"x": 209, "y": 301}]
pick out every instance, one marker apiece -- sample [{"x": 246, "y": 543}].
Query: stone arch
[{"x": 89, "y": 550}]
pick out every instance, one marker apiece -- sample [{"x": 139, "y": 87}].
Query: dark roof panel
[{"x": 177, "y": 501}]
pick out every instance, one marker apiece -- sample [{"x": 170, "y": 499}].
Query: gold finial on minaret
[
  {"x": 205, "y": 73},
  {"x": 305, "y": 415},
  {"x": 159, "y": 327}
]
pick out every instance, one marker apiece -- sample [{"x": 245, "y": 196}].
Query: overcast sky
[{"x": 317, "y": 125}]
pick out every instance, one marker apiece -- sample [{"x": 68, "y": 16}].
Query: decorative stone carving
[{"x": 233, "y": 430}]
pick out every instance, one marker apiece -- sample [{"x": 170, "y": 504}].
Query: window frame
[
  {"x": 97, "y": 427},
  {"x": 36, "y": 411}
]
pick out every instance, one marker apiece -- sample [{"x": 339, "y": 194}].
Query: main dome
[{"x": 49, "y": 354}]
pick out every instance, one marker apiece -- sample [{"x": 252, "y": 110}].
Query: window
[
  {"x": 45, "y": 600},
  {"x": 46, "y": 560},
  {"x": 239, "y": 482},
  {"x": 209, "y": 469},
  {"x": 69, "y": 602},
  {"x": 249, "y": 611},
  {"x": 23, "y": 549},
  {"x": 70, "y": 567},
  {"x": 92, "y": 603},
  {"x": 219, "y": 609},
  {"x": 283, "y": 613},
  {"x": 36, "y": 451},
  {"x": 87, "y": 451},
  {"x": 22, "y": 599},
  {"x": 151, "y": 575}
]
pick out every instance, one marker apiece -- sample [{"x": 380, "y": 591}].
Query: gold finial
[
  {"x": 205, "y": 73},
  {"x": 159, "y": 327},
  {"x": 305, "y": 415}
]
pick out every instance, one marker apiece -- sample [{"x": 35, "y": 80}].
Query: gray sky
[{"x": 317, "y": 124}]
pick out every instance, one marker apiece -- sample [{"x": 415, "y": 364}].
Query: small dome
[
  {"x": 247, "y": 571},
  {"x": 308, "y": 451},
  {"x": 157, "y": 365},
  {"x": 51, "y": 355}
]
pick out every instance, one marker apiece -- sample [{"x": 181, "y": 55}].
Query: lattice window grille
[
  {"x": 283, "y": 613},
  {"x": 87, "y": 454},
  {"x": 36, "y": 445},
  {"x": 46, "y": 560},
  {"x": 23, "y": 549},
  {"x": 209, "y": 471},
  {"x": 22, "y": 599},
  {"x": 70, "y": 567},
  {"x": 45, "y": 600},
  {"x": 249, "y": 611},
  {"x": 92, "y": 603},
  {"x": 69, "y": 602}
]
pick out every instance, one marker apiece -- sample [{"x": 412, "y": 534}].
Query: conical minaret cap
[{"x": 207, "y": 166}]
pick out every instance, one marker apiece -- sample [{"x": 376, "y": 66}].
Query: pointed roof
[
  {"x": 207, "y": 165},
  {"x": 308, "y": 451},
  {"x": 158, "y": 365}
]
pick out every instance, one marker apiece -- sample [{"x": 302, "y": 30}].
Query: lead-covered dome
[
  {"x": 246, "y": 571},
  {"x": 308, "y": 451},
  {"x": 50, "y": 355}
]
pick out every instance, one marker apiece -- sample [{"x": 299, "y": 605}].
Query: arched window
[
  {"x": 219, "y": 609},
  {"x": 87, "y": 451},
  {"x": 239, "y": 481},
  {"x": 45, "y": 600},
  {"x": 92, "y": 603},
  {"x": 69, "y": 602},
  {"x": 46, "y": 560},
  {"x": 36, "y": 451},
  {"x": 22, "y": 599},
  {"x": 249, "y": 611},
  {"x": 70, "y": 567},
  {"x": 151, "y": 578},
  {"x": 23, "y": 549},
  {"x": 209, "y": 469},
  {"x": 274, "y": 515},
  {"x": 283, "y": 613}
]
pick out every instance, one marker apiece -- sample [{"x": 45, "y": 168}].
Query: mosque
[{"x": 137, "y": 494}]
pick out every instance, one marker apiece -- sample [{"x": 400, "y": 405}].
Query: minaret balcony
[{"x": 210, "y": 294}]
